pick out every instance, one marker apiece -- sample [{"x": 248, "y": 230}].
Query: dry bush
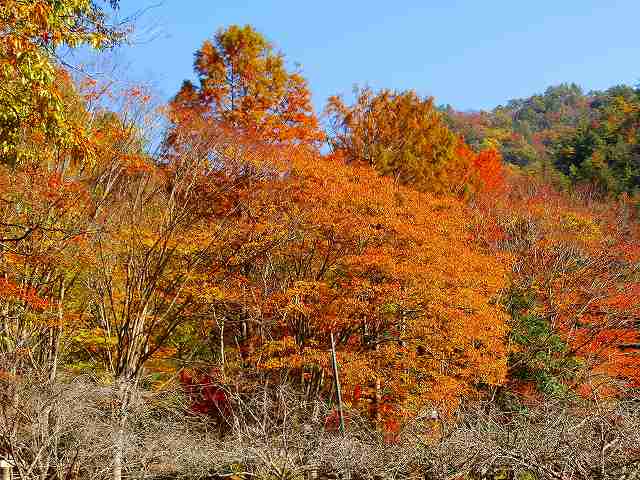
[
  {"x": 549, "y": 440},
  {"x": 68, "y": 429},
  {"x": 274, "y": 435}
]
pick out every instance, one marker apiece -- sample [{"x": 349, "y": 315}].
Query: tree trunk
[
  {"x": 377, "y": 402},
  {"x": 334, "y": 363},
  {"x": 222, "y": 359},
  {"x": 121, "y": 409},
  {"x": 5, "y": 469}
]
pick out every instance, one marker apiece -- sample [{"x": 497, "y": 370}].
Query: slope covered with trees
[
  {"x": 570, "y": 136},
  {"x": 156, "y": 300}
]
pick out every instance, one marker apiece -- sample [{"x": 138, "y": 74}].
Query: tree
[
  {"x": 31, "y": 98},
  {"x": 245, "y": 84},
  {"x": 48, "y": 212},
  {"x": 163, "y": 230},
  {"x": 400, "y": 135},
  {"x": 389, "y": 272},
  {"x": 604, "y": 150},
  {"x": 525, "y": 128},
  {"x": 572, "y": 295}
]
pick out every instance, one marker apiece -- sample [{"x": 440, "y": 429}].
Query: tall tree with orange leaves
[
  {"x": 246, "y": 85},
  {"x": 403, "y": 136},
  {"x": 386, "y": 269}
]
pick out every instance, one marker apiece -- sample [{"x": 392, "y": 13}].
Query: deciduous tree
[
  {"x": 30, "y": 99},
  {"x": 245, "y": 84}
]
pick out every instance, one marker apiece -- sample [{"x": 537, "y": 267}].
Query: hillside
[
  {"x": 412, "y": 292},
  {"x": 586, "y": 138}
]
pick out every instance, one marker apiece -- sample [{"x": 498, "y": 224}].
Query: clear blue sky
[{"x": 473, "y": 54}]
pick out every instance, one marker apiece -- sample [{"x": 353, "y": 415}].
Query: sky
[{"x": 472, "y": 54}]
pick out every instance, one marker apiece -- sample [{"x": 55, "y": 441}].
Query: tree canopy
[
  {"x": 31, "y": 98},
  {"x": 244, "y": 83},
  {"x": 403, "y": 136}
]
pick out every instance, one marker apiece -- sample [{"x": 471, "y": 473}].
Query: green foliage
[
  {"x": 564, "y": 135},
  {"x": 524, "y": 128},
  {"x": 541, "y": 355},
  {"x": 31, "y": 100},
  {"x": 603, "y": 150}
]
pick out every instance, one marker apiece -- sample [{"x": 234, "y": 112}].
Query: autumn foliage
[
  {"x": 32, "y": 98},
  {"x": 245, "y": 84},
  {"x": 228, "y": 254},
  {"x": 572, "y": 296},
  {"x": 403, "y": 136},
  {"x": 392, "y": 273}
]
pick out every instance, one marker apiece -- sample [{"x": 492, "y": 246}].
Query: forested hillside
[
  {"x": 413, "y": 292},
  {"x": 572, "y": 136}
]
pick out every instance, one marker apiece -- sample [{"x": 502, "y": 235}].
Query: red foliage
[
  {"x": 332, "y": 421},
  {"x": 489, "y": 166},
  {"x": 9, "y": 290},
  {"x": 206, "y": 395},
  {"x": 391, "y": 430},
  {"x": 357, "y": 393}
]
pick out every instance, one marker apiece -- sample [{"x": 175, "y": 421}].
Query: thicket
[{"x": 66, "y": 430}]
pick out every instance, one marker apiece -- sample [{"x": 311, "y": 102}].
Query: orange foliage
[
  {"x": 578, "y": 260},
  {"x": 245, "y": 85},
  {"x": 404, "y": 136},
  {"x": 390, "y": 271},
  {"x": 490, "y": 169}
]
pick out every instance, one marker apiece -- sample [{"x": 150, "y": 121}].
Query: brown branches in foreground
[{"x": 66, "y": 430}]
